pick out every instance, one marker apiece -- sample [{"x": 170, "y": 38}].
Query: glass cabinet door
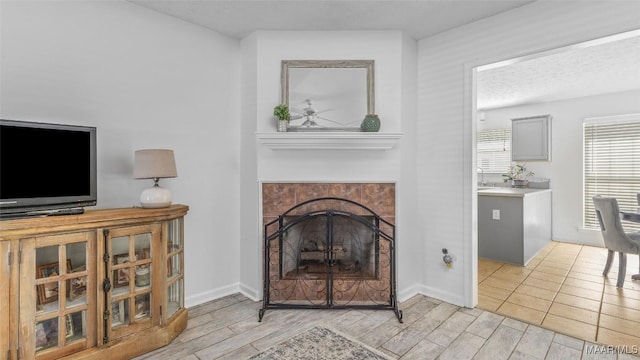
[
  {"x": 130, "y": 301},
  {"x": 62, "y": 293},
  {"x": 175, "y": 266}
]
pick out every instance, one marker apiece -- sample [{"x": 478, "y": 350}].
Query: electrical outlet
[{"x": 496, "y": 214}]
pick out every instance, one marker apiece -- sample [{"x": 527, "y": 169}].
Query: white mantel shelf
[{"x": 330, "y": 140}]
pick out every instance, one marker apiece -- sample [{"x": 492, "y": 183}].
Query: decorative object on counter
[
  {"x": 517, "y": 175},
  {"x": 539, "y": 183},
  {"x": 520, "y": 183},
  {"x": 282, "y": 113},
  {"x": 371, "y": 123},
  {"x": 154, "y": 164}
]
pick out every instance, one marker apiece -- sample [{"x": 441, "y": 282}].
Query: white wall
[
  {"x": 148, "y": 80},
  {"x": 445, "y": 126},
  {"x": 395, "y": 74},
  {"x": 385, "y": 47},
  {"x": 144, "y": 80},
  {"x": 566, "y": 167},
  {"x": 250, "y": 244},
  {"x": 409, "y": 246}
]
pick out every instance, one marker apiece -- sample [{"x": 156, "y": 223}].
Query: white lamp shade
[{"x": 154, "y": 163}]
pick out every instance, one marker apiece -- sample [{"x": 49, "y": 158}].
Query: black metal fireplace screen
[{"x": 329, "y": 253}]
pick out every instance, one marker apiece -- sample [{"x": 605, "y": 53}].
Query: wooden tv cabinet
[{"x": 103, "y": 284}]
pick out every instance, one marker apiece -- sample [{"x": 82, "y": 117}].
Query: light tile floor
[{"x": 562, "y": 289}]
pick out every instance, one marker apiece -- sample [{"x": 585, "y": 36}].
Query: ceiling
[
  {"x": 579, "y": 71},
  {"x": 417, "y": 18},
  {"x": 593, "y": 69}
]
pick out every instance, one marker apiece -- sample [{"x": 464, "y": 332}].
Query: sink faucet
[{"x": 482, "y": 183}]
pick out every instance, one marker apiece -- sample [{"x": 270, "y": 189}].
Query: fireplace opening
[{"x": 306, "y": 249}]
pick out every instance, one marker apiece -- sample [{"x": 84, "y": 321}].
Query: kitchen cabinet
[
  {"x": 90, "y": 286},
  {"x": 514, "y": 224},
  {"x": 531, "y": 138}
]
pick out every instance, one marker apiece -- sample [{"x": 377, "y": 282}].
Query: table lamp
[{"x": 154, "y": 164}]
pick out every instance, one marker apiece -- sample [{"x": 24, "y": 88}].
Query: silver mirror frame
[{"x": 366, "y": 64}]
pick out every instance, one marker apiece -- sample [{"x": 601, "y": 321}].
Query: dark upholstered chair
[{"x": 615, "y": 239}]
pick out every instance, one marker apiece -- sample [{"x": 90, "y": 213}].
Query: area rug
[{"x": 319, "y": 343}]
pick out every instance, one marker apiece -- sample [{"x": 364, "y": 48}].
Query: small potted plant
[
  {"x": 518, "y": 174},
  {"x": 282, "y": 113}
]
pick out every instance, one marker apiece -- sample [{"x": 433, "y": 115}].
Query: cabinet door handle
[{"x": 106, "y": 285}]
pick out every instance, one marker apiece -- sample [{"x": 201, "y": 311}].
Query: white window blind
[
  {"x": 611, "y": 164},
  {"x": 493, "y": 149}
]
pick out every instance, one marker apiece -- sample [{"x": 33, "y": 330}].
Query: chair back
[{"x": 613, "y": 234}]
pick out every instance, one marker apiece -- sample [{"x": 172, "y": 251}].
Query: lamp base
[{"x": 155, "y": 197}]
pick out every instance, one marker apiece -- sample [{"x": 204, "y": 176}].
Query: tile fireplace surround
[
  {"x": 280, "y": 197},
  {"x": 359, "y": 274}
]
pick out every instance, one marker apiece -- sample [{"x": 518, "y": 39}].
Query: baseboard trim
[
  {"x": 211, "y": 295},
  {"x": 418, "y": 289},
  {"x": 251, "y": 293},
  {"x": 585, "y": 240},
  {"x": 255, "y": 295},
  {"x": 220, "y": 292},
  {"x": 408, "y": 293}
]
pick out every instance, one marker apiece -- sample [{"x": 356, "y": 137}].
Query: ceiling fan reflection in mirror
[{"x": 310, "y": 115}]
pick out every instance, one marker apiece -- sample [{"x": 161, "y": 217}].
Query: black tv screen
[{"x": 46, "y": 166}]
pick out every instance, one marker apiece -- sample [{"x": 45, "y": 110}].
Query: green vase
[{"x": 371, "y": 123}]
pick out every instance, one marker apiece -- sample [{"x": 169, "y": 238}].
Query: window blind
[
  {"x": 493, "y": 150},
  {"x": 611, "y": 164}
]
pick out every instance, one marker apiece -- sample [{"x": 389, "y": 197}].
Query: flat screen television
[{"x": 46, "y": 169}]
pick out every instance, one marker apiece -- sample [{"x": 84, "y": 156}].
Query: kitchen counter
[
  {"x": 514, "y": 224},
  {"x": 509, "y": 191}
]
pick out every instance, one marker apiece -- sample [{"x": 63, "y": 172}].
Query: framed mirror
[{"x": 326, "y": 95}]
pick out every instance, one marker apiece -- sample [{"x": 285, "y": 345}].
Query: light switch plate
[{"x": 496, "y": 214}]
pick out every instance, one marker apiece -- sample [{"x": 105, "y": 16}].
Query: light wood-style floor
[
  {"x": 227, "y": 328},
  {"x": 562, "y": 289}
]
